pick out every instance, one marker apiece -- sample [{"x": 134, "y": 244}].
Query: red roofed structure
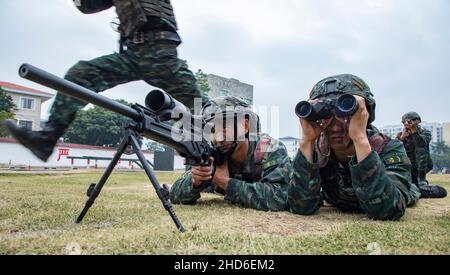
[
  {"x": 11, "y": 87},
  {"x": 28, "y": 102}
]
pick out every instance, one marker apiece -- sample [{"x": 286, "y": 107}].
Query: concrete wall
[
  {"x": 14, "y": 154},
  {"x": 221, "y": 86}
]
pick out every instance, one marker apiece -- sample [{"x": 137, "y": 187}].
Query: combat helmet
[
  {"x": 227, "y": 107},
  {"x": 345, "y": 84},
  {"x": 411, "y": 116}
]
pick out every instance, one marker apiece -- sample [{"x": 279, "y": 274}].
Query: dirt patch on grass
[{"x": 238, "y": 220}]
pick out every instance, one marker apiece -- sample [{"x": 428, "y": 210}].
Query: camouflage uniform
[
  {"x": 379, "y": 186},
  {"x": 418, "y": 149},
  {"x": 153, "y": 60},
  {"x": 259, "y": 184}
]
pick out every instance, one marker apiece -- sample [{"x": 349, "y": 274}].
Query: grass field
[{"x": 38, "y": 212}]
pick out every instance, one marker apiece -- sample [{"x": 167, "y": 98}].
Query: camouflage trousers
[
  {"x": 156, "y": 63},
  {"x": 421, "y": 164}
]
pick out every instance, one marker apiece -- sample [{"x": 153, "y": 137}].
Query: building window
[
  {"x": 26, "y": 124},
  {"x": 27, "y": 103}
]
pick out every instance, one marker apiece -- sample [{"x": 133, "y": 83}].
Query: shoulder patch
[
  {"x": 396, "y": 159},
  {"x": 269, "y": 164}
]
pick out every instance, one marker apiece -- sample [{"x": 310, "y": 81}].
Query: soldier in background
[
  {"x": 347, "y": 162},
  {"x": 417, "y": 144},
  {"x": 149, "y": 38},
  {"x": 253, "y": 169}
]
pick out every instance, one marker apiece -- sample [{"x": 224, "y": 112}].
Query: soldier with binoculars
[
  {"x": 346, "y": 161},
  {"x": 416, "y": 140}
]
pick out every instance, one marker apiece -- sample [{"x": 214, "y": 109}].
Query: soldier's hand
[
  {"x": 358, "y": 124},
  {"x": 357, "y": 130},
  {"x": 405, "y": 134},
  {"x": 201, "y": 174},
  {"x": 222, "y": 176},
  {"x": 312, "y": 130}
]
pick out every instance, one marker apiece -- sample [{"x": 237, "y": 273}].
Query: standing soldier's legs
[
  {"x": 160, "y": 66},
  {"x": 423, "y": 164},
  {"x": 97, "y": 75},
  {"x": 414, "y": 173}
]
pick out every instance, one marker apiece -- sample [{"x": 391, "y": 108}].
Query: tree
[
  {"x": 3, "y": 116},
  {"x": 97, "y": 126},
  {"x": 441, "y": 162},
  {"x": 6, "y": 102},
  {"x": 202, "y": 82},
  {"x": 440, "y": 148},
  {"x": 7, "y": 108}
]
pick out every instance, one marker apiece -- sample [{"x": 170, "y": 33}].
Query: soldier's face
[
  {"x": 337, "y": 133},
  {"x": 410, "y": 124},
  {"x": 224, "y": 136},
  {"x": 407, "y": 124}
]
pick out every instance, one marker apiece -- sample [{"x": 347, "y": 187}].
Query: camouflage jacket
[
  {"x": 420, "y": 140},
  {"x": 149, "y": 14},
  {"x": 378, "y": 186},
  {"x": 261, "y": 183}
]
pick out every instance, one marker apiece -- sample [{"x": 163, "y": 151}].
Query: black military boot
[
  {"x": 429, "y": 191},
  {"x": 422, "y": 181},
  {"x": 432, "y": 192},
  {"x": 40, "y": 143}
]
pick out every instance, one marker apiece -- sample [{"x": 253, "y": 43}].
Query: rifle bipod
[{"x": 162, "y": 192}]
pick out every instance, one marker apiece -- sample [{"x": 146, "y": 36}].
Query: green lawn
[{"x": 38, "y": 212}]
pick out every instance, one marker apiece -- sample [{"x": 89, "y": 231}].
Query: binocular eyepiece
[
  {"x": 165, "y": 106},
  {"x": 343, "y": 106}
]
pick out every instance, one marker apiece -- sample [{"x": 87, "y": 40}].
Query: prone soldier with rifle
[{"x": 251, "y": 169}]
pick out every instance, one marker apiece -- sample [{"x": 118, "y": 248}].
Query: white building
[
  {"x": 292, "y": 145},
  {"x": 28, "y": 102},
  {"x": 67, "y": 155},
  {"x": 436, "y": 130},
  {"x": 446, "y": 132}
]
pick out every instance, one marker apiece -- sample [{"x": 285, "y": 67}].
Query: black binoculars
[
  {"x": 343, "y": 106},
  {"x": 408, "y": 121}
]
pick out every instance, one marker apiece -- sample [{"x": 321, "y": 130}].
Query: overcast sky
[{"x": 282, "y": 47}]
